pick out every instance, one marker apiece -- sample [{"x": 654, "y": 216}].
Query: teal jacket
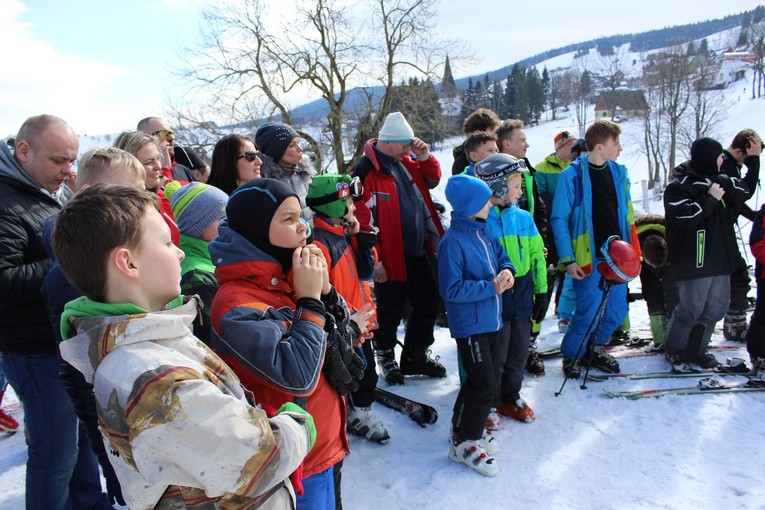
[
  {"x": 571, "y": 218},
  {"x": 547, "y": 174}
]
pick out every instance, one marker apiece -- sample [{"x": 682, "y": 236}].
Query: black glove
[
  {"x": 352, "y": 361},
  {"x": 334, "y": 368},
  {"x": 113, "y": 488},
  {"x": 539, "y": 310}
]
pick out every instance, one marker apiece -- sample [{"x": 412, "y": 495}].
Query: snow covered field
[{"x": 585, "y": 450}]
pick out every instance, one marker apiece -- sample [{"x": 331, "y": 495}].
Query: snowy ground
[{"x": 585, "y": 450}]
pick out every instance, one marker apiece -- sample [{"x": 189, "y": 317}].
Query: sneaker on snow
[
  {"x": 679, "y": 362},
  {"x": 603, "y": 361},
  {"x": 519, "y": 410},
  {"x": 492, "y": 422},
  {"x": 563, "y": 325},
  {"x": 705, "y": 360},
  {"x": 7, "y": 422},
  {"x": 572, "y": 368},
  {"x": 473, "y": 455},
  {"x": 390, "y": 370},
  {"x": 362, "y": 422},
  {"x": 490, "y": 443},
  {"x": 534, "y": 364}
]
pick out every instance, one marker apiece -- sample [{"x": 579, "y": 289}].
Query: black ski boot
[
  {"x": 391, "y": 372},
  {"x": 735, "y": 326},
  {"x": 534, "y": 363},
  {"x": 416, "y": 360},
  {"x": 602, "y": 361},
  {"x": 572, "y": 368}
]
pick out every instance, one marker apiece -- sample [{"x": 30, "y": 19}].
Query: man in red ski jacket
[{"x": 397, "y": 170}]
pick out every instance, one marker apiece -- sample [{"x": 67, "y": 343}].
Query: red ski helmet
[{"x": 622, "y": 262}]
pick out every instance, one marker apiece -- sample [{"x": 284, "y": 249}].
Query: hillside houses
[{"x": 627, "y": 103}]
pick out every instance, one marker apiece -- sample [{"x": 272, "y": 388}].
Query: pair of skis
[
  {"x": 712, "y": 381},
  {"x": 713, "y": 384}
]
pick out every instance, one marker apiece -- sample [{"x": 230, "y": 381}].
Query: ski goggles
[
  {"x": 346, "y": 187},
  {"x": 249, "y": 156}
]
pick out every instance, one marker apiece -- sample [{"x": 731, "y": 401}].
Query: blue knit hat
[
  {"x": 195, "y": 206},
  {"x": 466, "y": 194},
  {"x": 273, "y": 139}
]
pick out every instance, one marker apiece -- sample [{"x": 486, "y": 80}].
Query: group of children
[{"x": 281, "y": 332}]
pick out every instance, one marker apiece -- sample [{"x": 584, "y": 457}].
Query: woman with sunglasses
[
  {"x": 234, "y": 162},
  {"x": 283, "y": 159}
]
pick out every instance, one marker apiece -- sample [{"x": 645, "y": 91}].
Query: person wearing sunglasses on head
[
  {"x": 284, "y": 161},
  {"x": 156, "y": 126},
  {"x": 235, "y": 161}
]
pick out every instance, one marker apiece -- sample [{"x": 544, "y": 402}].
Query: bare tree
[
  {"x": 756, "y": 35},
  {"x": 610, "y": 68},
  {"x": 706, "y": 109},
  {"x": 582, "y": 91},
  {"x": 248, "y": 66},
  {"x": 672, "y": 74}
]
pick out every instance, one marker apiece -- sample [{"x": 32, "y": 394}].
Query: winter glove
[
  {"x": 113, "y": 488},
  {"x": 335, "y": 370},
  {"x": 540, "y": 307},
  {"x": 301, "y": 416},
  {"x": 352, "y": 361}
]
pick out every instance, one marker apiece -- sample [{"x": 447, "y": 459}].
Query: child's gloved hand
[
  {"x": 301, "y": 416},
  {"x": 540, "y": 307}
]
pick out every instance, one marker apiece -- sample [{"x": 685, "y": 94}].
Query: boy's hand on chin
[{"x": 309, "y": 271}]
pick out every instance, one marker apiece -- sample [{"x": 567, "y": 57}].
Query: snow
[{"x": 584, "y": 450}]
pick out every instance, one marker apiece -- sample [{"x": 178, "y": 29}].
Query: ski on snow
[
  {"x": 634, "y": 350},
  {"x": 421, "y": 413},
  {"x": 707, "y": 385},
  {"x": 733, "y": 366}
]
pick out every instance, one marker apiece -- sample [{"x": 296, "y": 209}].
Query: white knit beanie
[{"x": 396, "y": 129}]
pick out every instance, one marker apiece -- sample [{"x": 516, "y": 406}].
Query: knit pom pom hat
[
  {"x": 396, "y": 129},
  {"x": 195, "y": 206}
]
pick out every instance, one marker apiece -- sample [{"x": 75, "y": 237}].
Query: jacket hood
[
  {"x": 273, "y": 170},
  {"x": 105, "y": 326},
  {"x": 10, "y": 168},
  {"x": 235, "y": 258}
]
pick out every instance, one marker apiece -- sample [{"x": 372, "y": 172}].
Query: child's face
[
  {"x": 485, "y": 150},
  {"x": 484, "y": 212},
  {"x": 350, "y": 216},
  {"x": 159, "y": 262},
  {"x": 287, "y": 228},
  {"x": 611, "y": 149},
  {"x": 514, "y": 188},
  {"x": 516, "y": 145}
]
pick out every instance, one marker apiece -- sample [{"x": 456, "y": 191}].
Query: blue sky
[{"x": 103, "y": 65}]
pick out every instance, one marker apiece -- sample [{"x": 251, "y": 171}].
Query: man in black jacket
[
  {"x": 702, "y": 251},
  {"x": 31, "y": 190},
  {"x": 744, "y": 150}
]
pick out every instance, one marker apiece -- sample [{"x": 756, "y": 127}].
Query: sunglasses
[
  {"x": 162, "y": 134},
  {"x": 249, "y": 155}
]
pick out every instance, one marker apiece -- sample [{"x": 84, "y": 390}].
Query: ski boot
[
  {"x": 391, "y": 372},
  {"x": 572, "y": 368},
  {"x": 534, "y": 363},
  {"x": 362, "y": 422},
  {"x": 735, "y": 326},
  {"x": 416, "y": 360},
  {"x": 602, "y": 360}
]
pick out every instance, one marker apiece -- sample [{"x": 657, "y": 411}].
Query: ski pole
[
  {"x": 591, "y": 340},
  {"x": 597, "y": 318}
]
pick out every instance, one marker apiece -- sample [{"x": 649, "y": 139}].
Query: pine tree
[
  {"x": 536, "y": 95},
  {"x": 468, "y": 101},
  {"x": 546, "y": 89},
  {"x": 521, "y": 94}
]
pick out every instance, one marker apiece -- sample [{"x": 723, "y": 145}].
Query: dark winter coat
[
  {"x": 657, "y": 284},
  {"x": 460, "y": 159},
  {"x": 731, "y": 168},
  {"x": 24, "y": 322},
  {"x": 700, "y": 236}
]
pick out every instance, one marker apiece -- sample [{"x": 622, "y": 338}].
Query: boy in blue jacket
[
  {"x": 516, "y": 232},
  {"x": 473, "y": 272}
]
